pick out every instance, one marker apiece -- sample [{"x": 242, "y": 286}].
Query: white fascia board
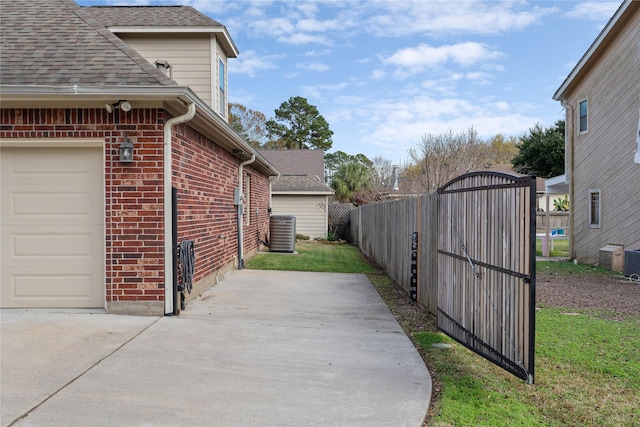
[
  {"x": 559, "y": 94},
  {"x": 303, "y": 193},
  {"x": 220, "y": 32}
]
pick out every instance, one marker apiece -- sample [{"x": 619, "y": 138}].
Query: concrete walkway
[{"x": 258, "y": 349}]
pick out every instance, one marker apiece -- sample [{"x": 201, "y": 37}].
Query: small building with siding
[
  {"x": 300, "y": 190},
  {"x": 601, "y": 97}
]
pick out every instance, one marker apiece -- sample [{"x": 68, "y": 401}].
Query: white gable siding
[
  {"x": 310, "y": 213},
  {"x": 603, "y": 157}
]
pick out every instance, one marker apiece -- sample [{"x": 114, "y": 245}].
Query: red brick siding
[
  {"x": 258, "y": 226},
  {"x": 205, "y": 176}
]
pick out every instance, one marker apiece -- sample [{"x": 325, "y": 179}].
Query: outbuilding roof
[
  {"x": 297, "y": 162},
  {"x": 56, "y": 42}
]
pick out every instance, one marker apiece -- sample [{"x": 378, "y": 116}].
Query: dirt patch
[{"x": 616, "y": 295}]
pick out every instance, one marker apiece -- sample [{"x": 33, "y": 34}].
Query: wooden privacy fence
[
  {"x": 476, "y": 260},
  {"x": 383, "y": 231}
]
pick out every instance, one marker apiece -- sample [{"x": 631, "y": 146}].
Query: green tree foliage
[
  {"x": 561, "y": 204},
  {"x": 501, "y": 151},
  {"x": 541, "y": 151},
  {"x": 298, "y": 124},
  {"x": 351, "y": 179},
  {"x": 249, "y": 124},
  {"x": 332, "y": 161}
]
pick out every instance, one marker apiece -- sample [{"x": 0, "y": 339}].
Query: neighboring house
[
  {"x": 601, "y": 97},
  {"x": 300, "y": 189},
  {"x": 82, "y": 226}
]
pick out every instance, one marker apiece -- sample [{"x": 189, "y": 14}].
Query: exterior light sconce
[
  {"x": 122, "y": 104},
  {"x": 126, "y": 151}
]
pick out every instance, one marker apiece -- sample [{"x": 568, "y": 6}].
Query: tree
[
  {"x": 439, "y": 158},
  {"x": 501, "y": 151},
  {"x": 298, "y": 124},
  {"x": 541, "y": 151},
  {"x": 332, "y": 161},
  {"x": 250, "y": 124},
  {"x": 349, "y": 179}
]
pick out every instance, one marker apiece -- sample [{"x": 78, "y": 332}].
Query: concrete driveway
[{"x": 258, "y": 349}]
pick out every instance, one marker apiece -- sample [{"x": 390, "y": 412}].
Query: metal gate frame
[{"x": 486, "y": 267}]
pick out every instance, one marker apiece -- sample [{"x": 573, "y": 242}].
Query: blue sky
[{"x": 385, "y": 73}]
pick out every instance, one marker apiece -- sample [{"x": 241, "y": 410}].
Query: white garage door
[{"x": 52, "y": 227}]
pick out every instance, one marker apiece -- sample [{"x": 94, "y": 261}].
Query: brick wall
[
  {"x": 134, "y": 243},
  {"x": 204, "y": 174}
]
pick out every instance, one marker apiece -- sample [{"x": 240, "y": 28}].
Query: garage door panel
[
  {"x": 51, "y": 205},
  {"x": 54, "y": 290},
  {"x": 52, "y": 247},
  {"x": 52, "y": 229},
  {"x": 53, "y": 165}
]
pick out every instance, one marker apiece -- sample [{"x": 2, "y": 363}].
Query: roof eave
[
  {"x": 559, "y": 95},
  {"x": 221, "y": 33},
  {"x": 174, "y": 99}
]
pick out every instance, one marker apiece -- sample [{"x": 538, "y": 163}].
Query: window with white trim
[
  {"x": 583, "y": 116},
  {"x": 247, "y": 199},
  {"x": 594, "y": 208},
  {"x": 222, "y": 88}
]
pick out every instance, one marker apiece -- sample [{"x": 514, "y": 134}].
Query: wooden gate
[{"x": 486, "y": 267}]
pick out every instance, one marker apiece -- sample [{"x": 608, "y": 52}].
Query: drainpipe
[
  {"x": 169, "y": 250},
  {"x": 240, "y": 211},
  {"x": 569, "y": 144}
]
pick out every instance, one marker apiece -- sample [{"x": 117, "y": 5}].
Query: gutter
[
  {"x": 169, "y": 250},
  {"x": 241, "y": 211},
  {"x": 569, "y": 141}
]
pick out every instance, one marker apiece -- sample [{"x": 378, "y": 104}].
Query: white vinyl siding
[
  {"x": 188, "y": 54},
  {"x": 310, "y": 213}
]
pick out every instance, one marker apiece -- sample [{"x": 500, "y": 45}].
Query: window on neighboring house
[
  {"x": 247, "y": 199},
  {"x": 594, "y": 208},
  {"x": 222, "y": 88},
  {"x": 584, "y": 114}
]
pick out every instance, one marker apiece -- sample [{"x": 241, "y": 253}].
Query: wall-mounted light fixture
[
  {"x": 126, "y": 150},
  {"x": 122, "y": 104}
]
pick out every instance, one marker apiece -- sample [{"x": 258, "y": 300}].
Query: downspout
[
  {"x": 169, "y": 250},
  {"x": 569, "y": 144},
  {"x": 240, "y": 212}
]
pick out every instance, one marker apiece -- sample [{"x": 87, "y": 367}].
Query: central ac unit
[{"x": 283, "y": 233}]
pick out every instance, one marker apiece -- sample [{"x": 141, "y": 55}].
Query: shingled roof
[
  {"x": 301, "y": 170},
  {"x": 296, "y": 162},
  {"x": 150, "y": 16},
  {"x": 56, "y": 42}
]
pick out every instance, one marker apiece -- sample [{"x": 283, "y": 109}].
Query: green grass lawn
[
  {"x": 560, "y": 248},
  {"x": 587, "y": 367}
]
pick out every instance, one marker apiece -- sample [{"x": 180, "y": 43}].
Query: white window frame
[
  {"x": 586, "y": 129},
  {"x": 247, "y": 199},
  {"x": 595, "y": 222},
  {"x": 221, "y": 86}
]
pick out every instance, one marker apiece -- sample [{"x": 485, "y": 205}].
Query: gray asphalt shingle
[
  {"x": 57, "y": 43},
  {"x": 150, "y": 16}
]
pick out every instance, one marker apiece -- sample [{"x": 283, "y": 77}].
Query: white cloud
[
  {"x": 303, "y": 38},
  {"x": 593, "y": 10},
  {"x": 416, "y": 59},
  {"x": 400, "y": 18},
  {"x": 250, "y": 63},
  {"x": 314, "y": 66}
]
